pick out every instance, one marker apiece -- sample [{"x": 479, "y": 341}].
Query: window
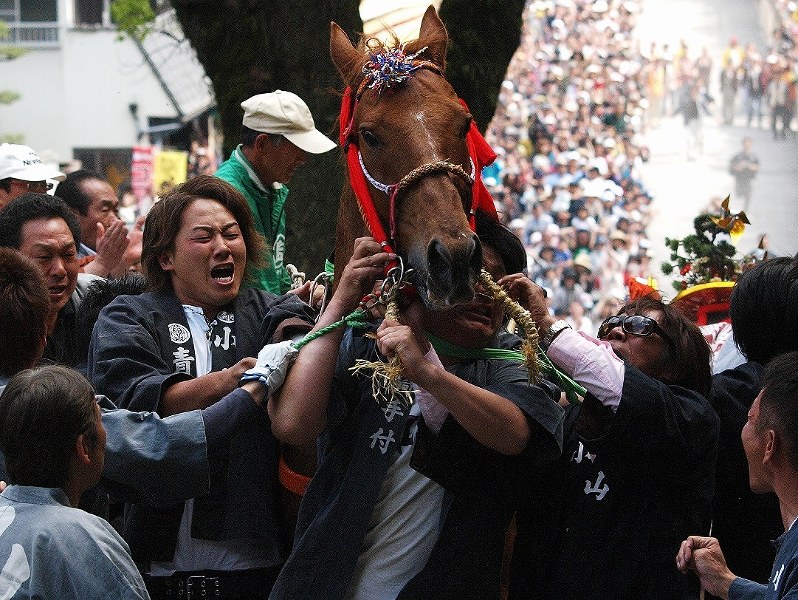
[
  {"x": 7, "y": 10},
  {"x": 39, "y": 11},
  {"x": 31, "y": 23},
  {"x": 90, "y": 12}
]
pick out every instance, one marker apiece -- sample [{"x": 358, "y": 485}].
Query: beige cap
[
  {"x": 583, "y": 260},
  {"x": 285, "y": 114}
]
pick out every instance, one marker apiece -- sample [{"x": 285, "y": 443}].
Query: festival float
[{"x": 706, "y": 265}]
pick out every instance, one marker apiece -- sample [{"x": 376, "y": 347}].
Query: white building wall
[
  {"x": 78, "y": 94},
  {"x": 40, "y": 113},
  {"x": 109, "y": 76}
]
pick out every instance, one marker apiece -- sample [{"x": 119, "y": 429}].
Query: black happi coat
[
  {"x": 140, "y": 346},
  {"x": 607, "y": 519},
  {"x": 482, "y": 487}
]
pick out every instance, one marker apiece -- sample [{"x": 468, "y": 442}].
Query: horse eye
[{"x": 369, "y": 138}]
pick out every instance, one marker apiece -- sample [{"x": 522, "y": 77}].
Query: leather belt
[{"x": 252, "y": 584}]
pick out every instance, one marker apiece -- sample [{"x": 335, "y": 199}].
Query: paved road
[{"x": 682, "y": 188}]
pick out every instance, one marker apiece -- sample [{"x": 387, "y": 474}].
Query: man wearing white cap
[
  {"x": 277, "y": 132},
  {"x": 21, "y": 171}
]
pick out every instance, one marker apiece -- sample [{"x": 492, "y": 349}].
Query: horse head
[{"x": 408, "y": 129}]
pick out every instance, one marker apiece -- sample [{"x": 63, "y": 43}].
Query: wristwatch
[{"x": 553, "y": 332}]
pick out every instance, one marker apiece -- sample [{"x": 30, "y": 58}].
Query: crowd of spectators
[{"x": 569, "y": 134}]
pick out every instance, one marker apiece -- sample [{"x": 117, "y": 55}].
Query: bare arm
[
  {"x": 299, "y": 411},
  {"x": 493, "y": 421},
  {"x": 202, "y": 391}
]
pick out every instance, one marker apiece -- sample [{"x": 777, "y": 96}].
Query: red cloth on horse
[{"x": 482, "y": 155}]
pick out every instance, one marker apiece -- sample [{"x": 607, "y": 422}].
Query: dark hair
[
  {"x": 166, "y": 217},
  {"x": 5, "y": 184},
  {"x": 570, "y": 273},
  {"x": 689, "y": 358},
  {"x": 24, "y": 306},
  {"x": 98, "y": 295},
  {"x": 248, "y": 137},
  {"x": 42, "y": 413},
  {"x": 764, "y": 310},
  {"x": 503, "y": 241},
  {"x": 31, "y": 207},
  {"x": 71, "y": 191},
  {"x": 778, "y": 409}
]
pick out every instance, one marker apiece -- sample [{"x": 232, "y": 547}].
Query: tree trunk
[
  {"x": 484, "y": 36},
  {"x": 249, "y": 47}
]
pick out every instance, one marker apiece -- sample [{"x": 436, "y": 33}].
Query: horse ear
[
  {"x": 433, "y": 35},
  {"x": 343, "y": 53}
]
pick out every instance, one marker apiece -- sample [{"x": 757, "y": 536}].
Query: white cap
[
  {"x": 21, "y": 162},
  {"x": 285, "y": 114}
]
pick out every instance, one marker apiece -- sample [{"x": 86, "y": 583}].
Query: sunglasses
[
  {"x": 635, "y": 325},
  {"x": 40, "y": 187}
]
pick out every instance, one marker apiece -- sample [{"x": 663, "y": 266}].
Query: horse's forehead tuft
[{"x": 389, "y": 67}]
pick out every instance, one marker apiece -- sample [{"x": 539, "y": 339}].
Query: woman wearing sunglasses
[{"x": 638, "y": 458}]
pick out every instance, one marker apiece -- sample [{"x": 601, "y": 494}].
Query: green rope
[
  {"x": 356, "y": 319},
  {"x": 448, "y": 349},
  {"x": 573, "y": 391}
]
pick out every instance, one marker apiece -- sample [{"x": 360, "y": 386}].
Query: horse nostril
[
  {"x": 440, "y": 262},
  {"x": 452, "y": 271}
]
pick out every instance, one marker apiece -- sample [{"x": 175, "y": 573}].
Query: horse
[
  {"x": 404, "y": 132},
  {"x": 402, "y": 123}
]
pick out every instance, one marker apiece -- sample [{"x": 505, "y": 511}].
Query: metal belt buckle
[{"x": 200, "y": 586}]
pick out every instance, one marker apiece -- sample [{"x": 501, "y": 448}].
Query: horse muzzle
[{"x": 446, "y": 274}]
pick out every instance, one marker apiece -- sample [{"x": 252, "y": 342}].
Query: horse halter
[
  {"x": 394, "y": 190},
  {"x": 387, "y": 70}
]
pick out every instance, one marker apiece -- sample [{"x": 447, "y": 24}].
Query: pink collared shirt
[{"x": 591, "y": 363}]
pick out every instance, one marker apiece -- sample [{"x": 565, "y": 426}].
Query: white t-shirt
[{"x": 404, "y": 526}]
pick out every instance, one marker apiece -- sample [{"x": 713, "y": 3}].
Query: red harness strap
[
  {"x": 482, "y": 155},
  {"x": 356, "y": 177}
]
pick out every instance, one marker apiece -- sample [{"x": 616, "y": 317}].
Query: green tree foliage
[
  {"x": 133, "y": 17},
  {"x": 8, "y": 52}
]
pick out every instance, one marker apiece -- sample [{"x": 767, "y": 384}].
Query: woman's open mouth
[{"x": 223, "y": 274}]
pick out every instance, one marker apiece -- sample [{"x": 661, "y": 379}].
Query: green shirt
[{"x": 268, "y": 209}]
